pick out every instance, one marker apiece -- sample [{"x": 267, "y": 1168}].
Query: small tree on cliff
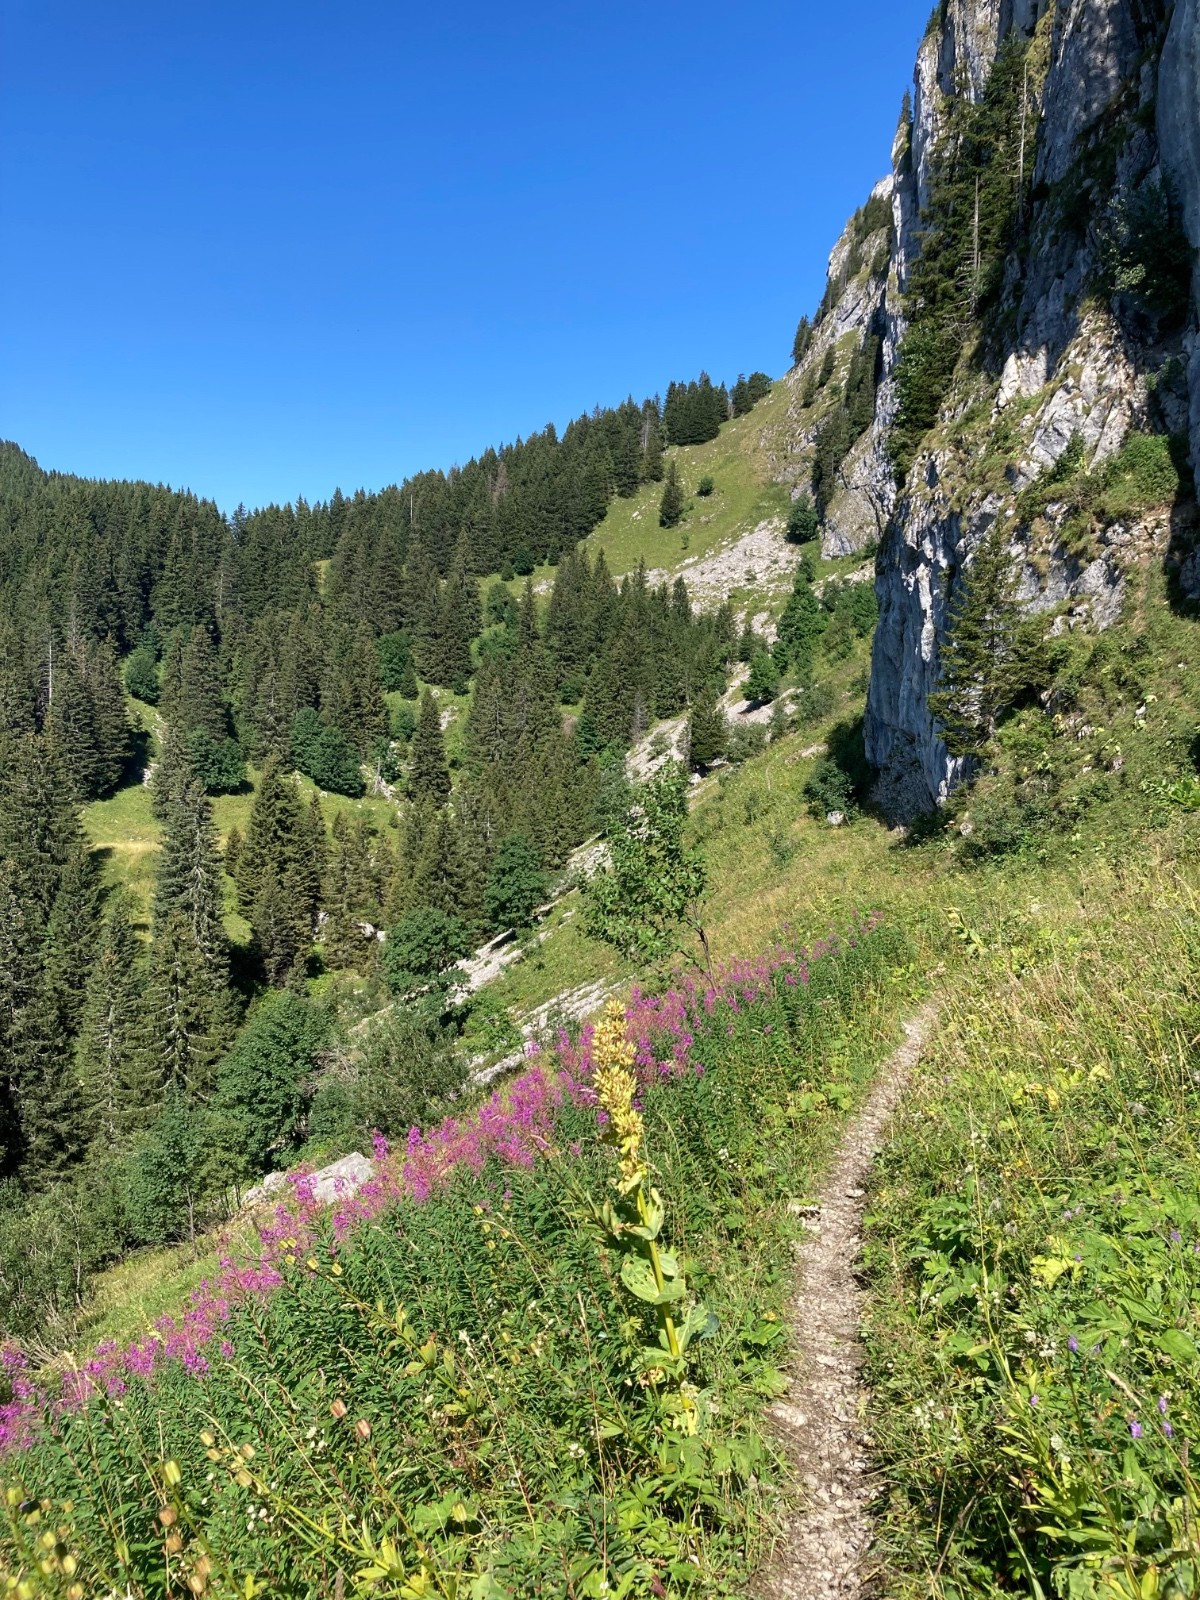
[{"x": 987, "y": 656}]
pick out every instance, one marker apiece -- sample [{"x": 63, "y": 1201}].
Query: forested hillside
[
  {"x": 586, "y": 845},
  {"x": 197, "y": 682}
]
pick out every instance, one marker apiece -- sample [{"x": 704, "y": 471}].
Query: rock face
[
  {"x": 1118, "y": 114},
  {"x": 854, "y": 309},
  {"x": 1179, "y": 141}
]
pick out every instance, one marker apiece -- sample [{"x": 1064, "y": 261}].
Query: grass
[
  {"x": 460, "y": 1401},
  {"x": 744, "y": 495},
  {"x": 126, "y": 834},
  {"x": 1034, "y": 1252}
]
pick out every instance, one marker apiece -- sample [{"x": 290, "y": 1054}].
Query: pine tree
[
  {"x": 707, "y": 732},
  {"x": 119, "y": 1092},
  {"x": 188, "y": 1022},
  {"x": 986, "y": 657},
  {"x": 428, "y": 776},
  {"x": 278, "y": 874},
  {"x": 670, "y": 507},
  {"x": 189, "y": 879}
]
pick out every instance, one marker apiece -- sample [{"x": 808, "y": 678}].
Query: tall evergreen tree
[
  {"x": 277, "y": 877},
  {"x": 986, "y": 656},
  {"x": 119, "y": 1092},
  {"x": 429, "y": 775},
  {"x": 670, "y": 507},
  {"x": 189, "y": 878}
]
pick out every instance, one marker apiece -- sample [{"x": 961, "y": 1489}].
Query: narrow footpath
[{"x": 825, "y": 1553}]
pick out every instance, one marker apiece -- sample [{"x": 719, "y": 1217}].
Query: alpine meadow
[{"x": 623, "y": 1019}]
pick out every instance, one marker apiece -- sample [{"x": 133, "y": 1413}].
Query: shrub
[
  {"x": 141, "y": 675},
  {"x": 804, "y": 520},
  {"x": 325, "y": 755},
  {"x": 396, "y": 671},
  {"x": 517, "y": 883},
  {"x": 219, "y": 764},
  {"x": 403, "y": 722},
  {"x": 763, "y": 683},
  {"x": 261, "y": 1083},
  {"x": 422, "y": 950},
  {"x": 705, "y": 487}
]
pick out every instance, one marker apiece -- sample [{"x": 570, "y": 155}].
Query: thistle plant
[{"x": 633, "y": 1224}]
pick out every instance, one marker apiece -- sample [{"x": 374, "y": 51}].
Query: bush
[
  {"x": 325, "y": 755},
  {"x": 763, "y": 683},
  {"x": 396, "y": 672},
  {"x": 517, "y": 884},
  {"x": 422, "y": 949},
  {"x": 403, "y": 722},
  {"x": 840, "y": 779},
  {"x": 814, "y": 703},
  {"x": 220, "y": 765},
  {"x": 141, "y": 675},
  {"x": 705, "y": 487},
  {"x": 804, "y": 520},
  {"x": 746, "y": 739},
  {"x": 262, "y": 1082}
]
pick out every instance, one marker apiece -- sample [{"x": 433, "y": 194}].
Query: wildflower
[
  {"x": 1168, "y": 1430},
  {"x": 1073, "y": 1345},
  {"x": 363, "y": 1429},
  {"x": 1162, "y": 1405},
  {"x": 616, "y": 1087},
  {"x": 1033, "y": 1402},
  {"x": 1135, "y": 1429},
  {"x": 1175, "y": 1235}
]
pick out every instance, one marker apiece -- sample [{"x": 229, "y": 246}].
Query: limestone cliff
[{"x": 1113, "y": 101}]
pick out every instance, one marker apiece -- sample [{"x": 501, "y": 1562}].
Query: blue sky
[{"x": 262, "y": 249}]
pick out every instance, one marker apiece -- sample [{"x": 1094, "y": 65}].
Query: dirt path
[{"x": 825, "y": 1552}]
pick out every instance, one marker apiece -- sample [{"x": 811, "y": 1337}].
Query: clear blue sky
[{"x": 262, "y": 249}]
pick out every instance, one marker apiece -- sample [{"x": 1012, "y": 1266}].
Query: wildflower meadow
[{"x": 528, "y": 1357}]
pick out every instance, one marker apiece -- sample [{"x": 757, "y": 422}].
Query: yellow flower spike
[
  {"x": 172, "y": 1474},
  {"x": 311, "y": 1263},
  {"x": 616, "y": 1086}
]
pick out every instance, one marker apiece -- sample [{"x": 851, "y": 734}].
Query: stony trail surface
[{"x": 825, "y": 1553}]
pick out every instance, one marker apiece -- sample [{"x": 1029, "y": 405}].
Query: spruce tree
[
  {"x": 670, "y": 507},
  {"x": 119, "y": 1092},
  {"x": 707, "y": 732},
  {"x": 428, "y": 774},
  {"x": 70, "y": 728},
  {"x": 985, "y": 657},
  {"x": 189, "y": 878},
  {"x": 188, "y": 1022},
  {"x": 278, "y": 873}
]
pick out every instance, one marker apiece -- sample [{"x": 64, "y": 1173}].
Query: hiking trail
[{"x": 825, "y": 1551}]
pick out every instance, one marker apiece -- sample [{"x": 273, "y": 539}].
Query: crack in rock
[{"x": 825, "y": 1551}]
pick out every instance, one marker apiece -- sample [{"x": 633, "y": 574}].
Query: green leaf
[{"x": 1177, "y": 1344}]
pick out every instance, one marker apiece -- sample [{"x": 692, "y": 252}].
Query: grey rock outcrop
[
  {"x": 1070, "y": 370},
  {"x": 340, "y": 1180},
  {"x": 1179, "y": 140}
]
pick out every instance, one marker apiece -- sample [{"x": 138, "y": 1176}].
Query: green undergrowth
[
  {"x": 454, "y": 1404},
  {"x": 1033, "y": 1246}
]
